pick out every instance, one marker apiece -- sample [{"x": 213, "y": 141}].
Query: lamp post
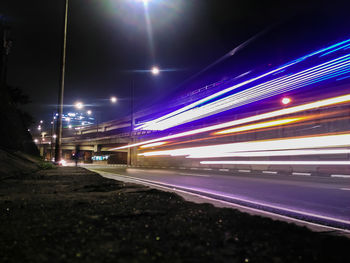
[
  {"x": 58, "y": 151},
  {"x": 132, "y": 120},
  {"x": 154, "y": 71},
  {"x": 52, "y": 133}
]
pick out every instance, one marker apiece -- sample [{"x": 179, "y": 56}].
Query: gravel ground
[{"x": 73, "y": 215}]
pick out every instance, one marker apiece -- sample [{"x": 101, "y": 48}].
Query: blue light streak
[{"x": 209, "y": 106}]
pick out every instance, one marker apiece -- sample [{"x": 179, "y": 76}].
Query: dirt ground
[{"x": 73, "y": 215}]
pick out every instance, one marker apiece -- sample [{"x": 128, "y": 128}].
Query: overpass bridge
[{"x": 97, "y": 140}]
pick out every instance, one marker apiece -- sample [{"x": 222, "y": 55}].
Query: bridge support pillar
[{"x": 97, "y": 148}]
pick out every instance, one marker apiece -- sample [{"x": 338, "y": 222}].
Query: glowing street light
[
  {"x": 155, "y": 70},
  {"x": 89, "y": 112},
  {"x": 286, "y": 100},
  {"x": 79, "y": 105},
  {"x": 113, "y": 99},
  {"x": 143, "y": 1}
]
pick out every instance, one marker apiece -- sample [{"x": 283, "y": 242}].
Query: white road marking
[
  {"x": 244, "y": 171},
  {"x": 345, "y": 189},
  {"x": 341, "y": 175},
  {"x": 200, "y": 175},
  {"x": 224, "y": 170},
  {"x": 207, "y": 169},
  {"x": 269, "y": 172},
  {"x": 305, "y": 174},
  {"x": 194, "y": 168}
]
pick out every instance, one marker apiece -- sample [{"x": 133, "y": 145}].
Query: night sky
[{"x": 109, "y": 45}]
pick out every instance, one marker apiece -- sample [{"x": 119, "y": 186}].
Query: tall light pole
[
  {"x": 52, "y": 133},
  {"x": 132, "y": 121},
  {"x": 58, "y": 150},
  {"x": 154, "y": 71}
]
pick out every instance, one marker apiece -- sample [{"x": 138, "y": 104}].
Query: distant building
[{"x": 77, "y": 119}]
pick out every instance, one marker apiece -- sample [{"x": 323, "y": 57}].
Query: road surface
[{"x": 321, "y": 200}]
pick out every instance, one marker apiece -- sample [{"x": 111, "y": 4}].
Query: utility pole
[
  {"x": 58, "y": 150},
  {"x": 132, "y": 121},
  {"x": 52, "y": 137}
]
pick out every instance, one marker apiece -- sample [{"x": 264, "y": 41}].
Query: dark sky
[{"x": 108, "y": 44}]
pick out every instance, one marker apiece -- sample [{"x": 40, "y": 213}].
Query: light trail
[
  {"x": 339, "y": 140},
  {"x": 262, "y": 125},
  {"x": 272, "y": 114},
  {"x": 324, "y": 71},
  {"x": 275, "y": 153},
  {"x": 325, "y": 51},
  {"x": 279, "y": 162},
  {"x": 262, "y": 91},
  {"x": 152, "y": 145},
  {"x": 321, "y": 118}
]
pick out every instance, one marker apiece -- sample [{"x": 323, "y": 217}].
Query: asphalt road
[{"x": 326, "y": 199}]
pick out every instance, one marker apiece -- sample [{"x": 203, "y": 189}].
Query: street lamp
[
  {"x": 89, "y": 112},
  {"x": 113, "y": 99},
  {"x": 155, "y": 70},
  {"x": 286, "y": 100},
  {"x": 61, "y": 84},
  {"x": 79, "y": 105}
]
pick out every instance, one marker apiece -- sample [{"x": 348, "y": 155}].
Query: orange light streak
[{"x": 261, "y": 125}]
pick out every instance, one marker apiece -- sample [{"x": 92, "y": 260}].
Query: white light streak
[
  {"x": 279, "y": 162},
  {"x": 219, "y": 150},
  {"x": 272, "y": 114},
  {"x": 152, "y": 145},
  {"x": 273, "y": 153}
]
